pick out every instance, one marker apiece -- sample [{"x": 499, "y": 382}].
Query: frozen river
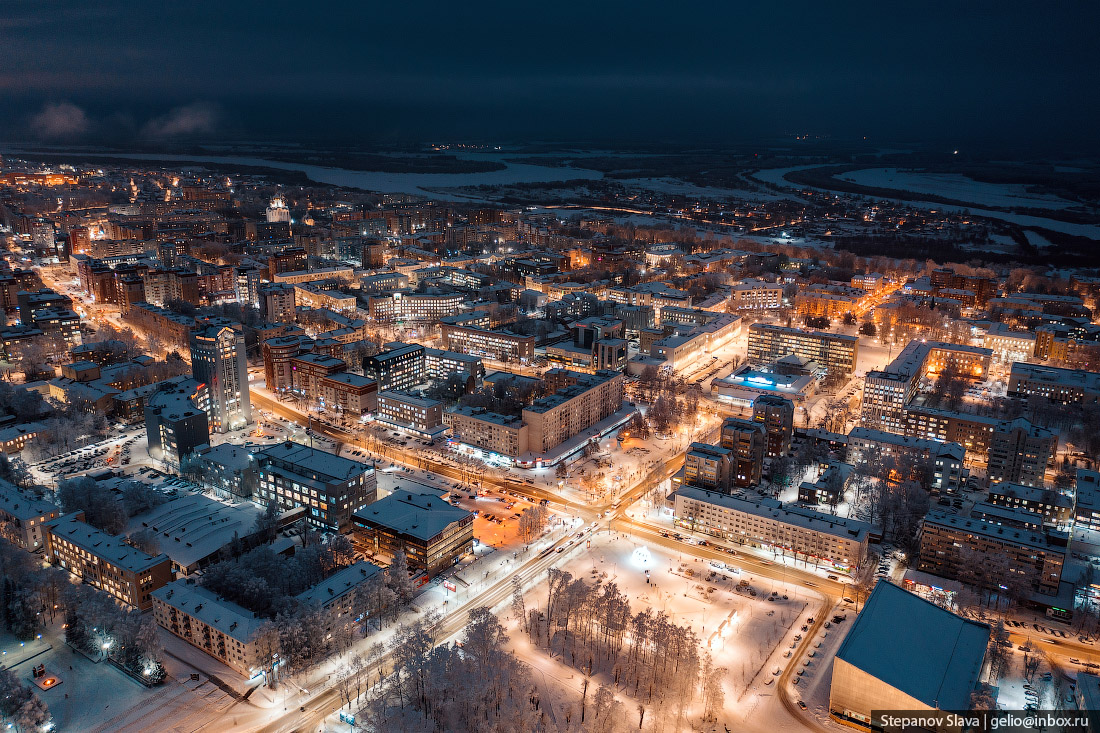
[{"x": 414, "y": 183}]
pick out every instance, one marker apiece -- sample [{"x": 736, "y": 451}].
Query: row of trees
[
  {"x": 532, "y": 521},
  {"x": 476, "y": 685},
  {"x": 646, "y": 654}
]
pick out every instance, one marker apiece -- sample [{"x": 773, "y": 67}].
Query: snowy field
[
  {"x": 746, "y": 635},
  {"x": 955, "y": 186}
]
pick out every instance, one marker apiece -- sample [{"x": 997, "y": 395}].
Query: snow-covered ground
[
  {"x": 746, "y": 635},
  {"x": 955, "y": 186}
]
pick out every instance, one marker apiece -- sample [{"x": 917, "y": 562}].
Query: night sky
[{"x": 146, "y": 72}]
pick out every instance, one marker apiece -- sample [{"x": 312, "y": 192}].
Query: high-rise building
[
  {"x": 747, "y": 441},
  {"x": 218, "y": 361},
  {"x": 247, "y": 287},
  {"x": 776, "y": 414},
  {"x": 1019, "y": 453}
]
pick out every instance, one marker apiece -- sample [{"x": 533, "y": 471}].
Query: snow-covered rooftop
[{"x": 917, "y": 647}]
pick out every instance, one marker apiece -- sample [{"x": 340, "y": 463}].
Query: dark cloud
[{"x": 353, "y": 70}]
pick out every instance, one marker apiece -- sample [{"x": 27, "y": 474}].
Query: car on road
[{"x": 801, "y": 704}]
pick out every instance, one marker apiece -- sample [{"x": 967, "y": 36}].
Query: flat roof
[
  {"x": 917, "y": 647},
  {"x": 981, "y": 527},
  {"x": 409, "y": 399},
  {"x": 315, "y": 460},
  {"x": 416, "y": 515},
  {"x": 100, "y": 544}
]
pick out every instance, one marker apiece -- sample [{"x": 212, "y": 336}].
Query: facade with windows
[
  {"x": 827, "y": 539},
  {"x": 105, "y": 561},
  {"x": 330, "y": 488},
  {"x": 433, "y": 534}
]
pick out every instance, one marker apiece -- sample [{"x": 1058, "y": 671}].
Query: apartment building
[
  {"x": 278, "y": 353},
  {"x": 579, "y": 402},
  {"x": 277, "y": 302},
  {"x": 707, "y": 467},
  {"x": 331, "y": 488},
  {"x": 1061, "y": 386},
  {"x": 222, "y": 629},
  {"x": 176, "y": 419},
  {"x": 747, "y": 441},
  {"x": 418, "y": 416},
  {"x": 1021, "y": 453},
  {"x": 752, "y": 295},
  {"x": 825, "y": 539},
  {"x": 492, "y": 432},
  {"x": 769, "y": 342},
  {"x": 950, "y": 544},
  {"x": 944, "y": 461},
  {"x": 218, "y": 361},
  {"x": 348, "y": 393},
  {"x": 104, "y": 561},
  {"x": 22, "y": 518},
  {"x": 1055, "y": 508},
  {"x": 497, "y": 345},
  {"x": 776, "y": 414},
  {"x": 433, "y": 534},
  {"x": 308, "y": 370}
]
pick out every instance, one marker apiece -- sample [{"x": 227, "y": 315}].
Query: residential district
[{"x": 282, "y": 457}]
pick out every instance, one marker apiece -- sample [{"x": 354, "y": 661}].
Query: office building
[
  {"x": 328, "y": 486},
  {"x": 399, "y": 367},
  {"x": 496, "y": 345},
  {"x": 104, "y": 561},
  {"x": 218, "y": 361},
  {"x": 433, "y": 534},
  {"x": 836, "y": 352}
]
